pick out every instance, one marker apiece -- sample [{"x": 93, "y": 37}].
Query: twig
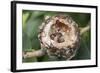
[
  {"x": 85, "y": 29},
  {"x": 37, "y": 53}
]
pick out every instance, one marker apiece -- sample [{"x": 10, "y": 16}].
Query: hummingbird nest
[{"x": 59, "y": 36}]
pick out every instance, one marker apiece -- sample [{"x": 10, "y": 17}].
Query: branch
[
  {"x": 84, "y": 29},
  {"x": 37, "y": 53}
]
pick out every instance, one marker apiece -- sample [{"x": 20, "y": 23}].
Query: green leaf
[
  {"x": 84, "y": 52},
  {"x": 26, "y": 43},
  {"x": 25, "y": 18}
]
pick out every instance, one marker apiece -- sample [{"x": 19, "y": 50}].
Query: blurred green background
[{"x": 31, "y": 20}]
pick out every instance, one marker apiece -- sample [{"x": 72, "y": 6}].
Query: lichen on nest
[{"x": 59, "y": 36}]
